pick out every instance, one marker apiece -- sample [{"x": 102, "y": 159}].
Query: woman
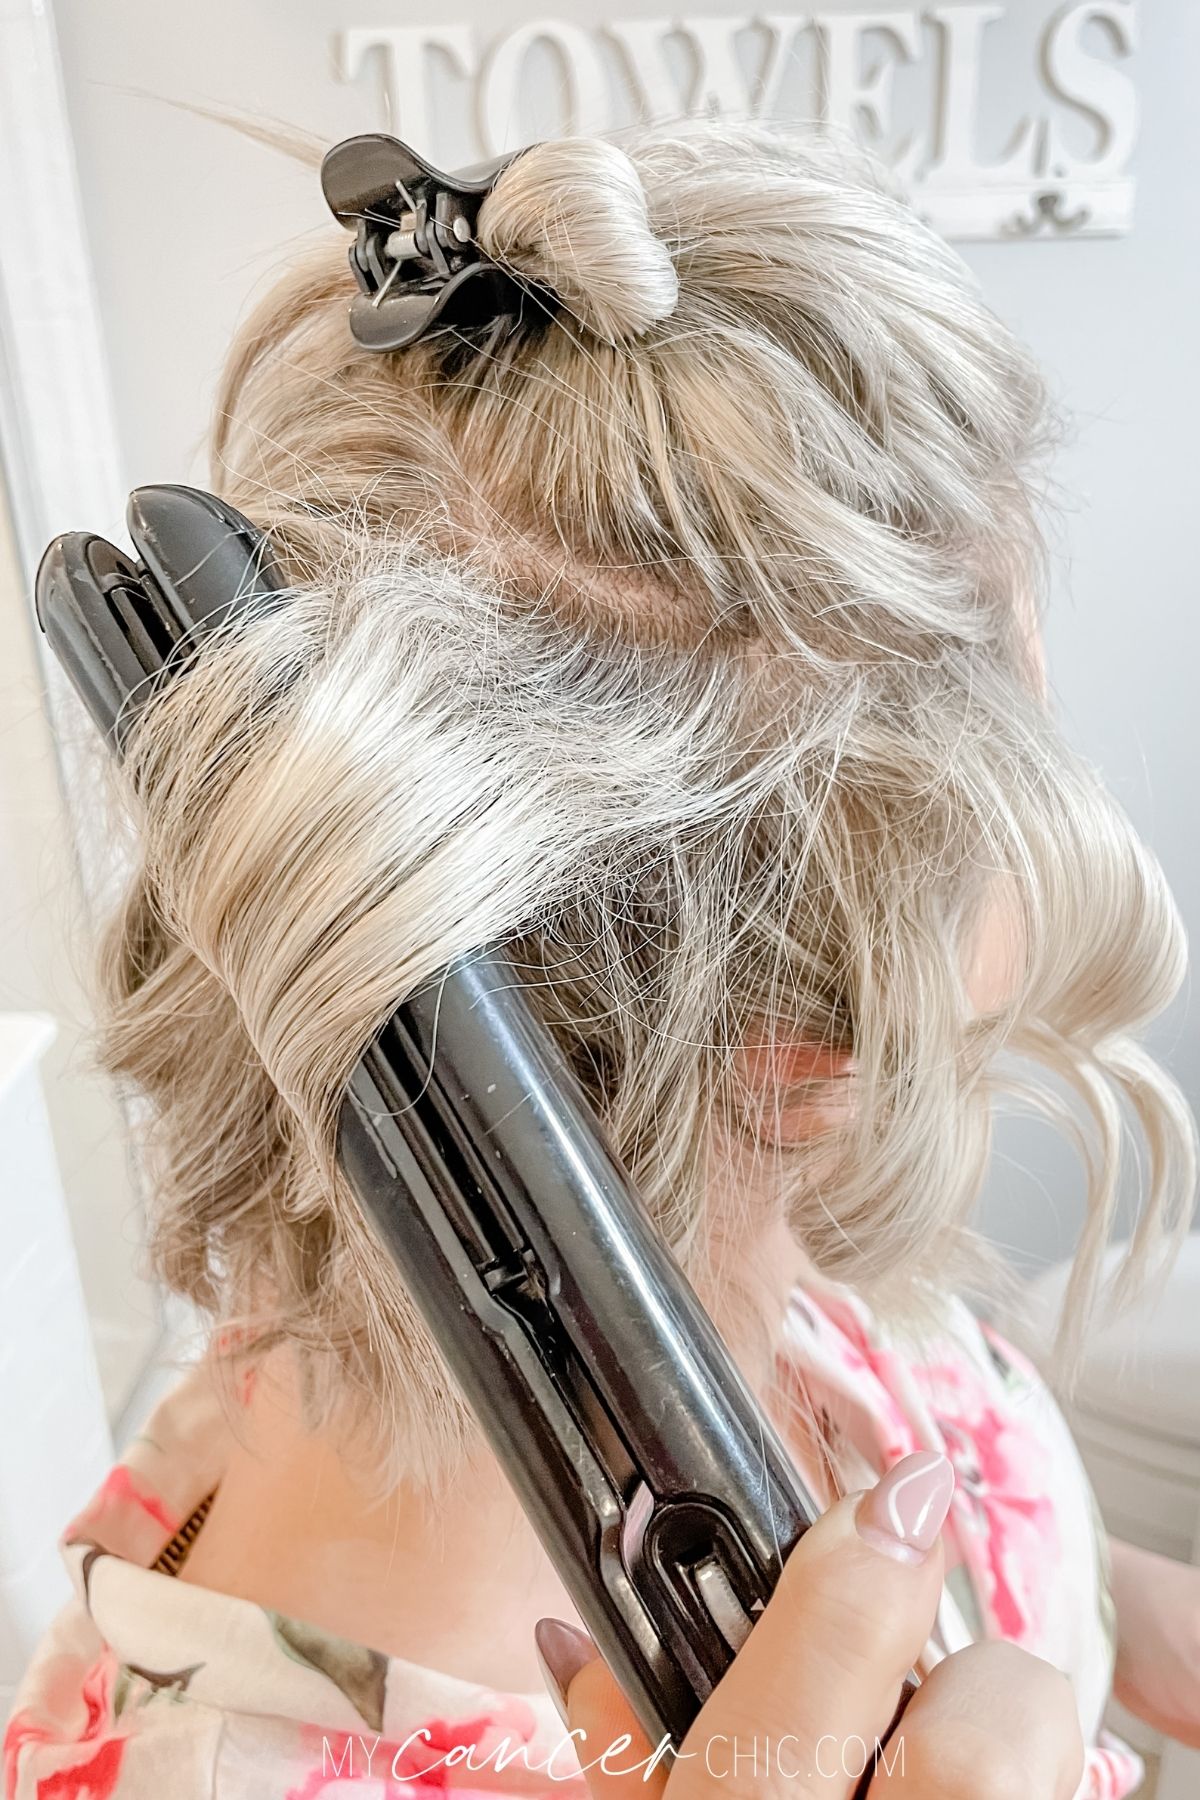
[{"x": 682, "y": 636}]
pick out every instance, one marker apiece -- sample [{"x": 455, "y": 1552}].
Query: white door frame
[{"x": 61, "y": 469}]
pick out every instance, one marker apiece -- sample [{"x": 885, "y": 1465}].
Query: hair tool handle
[
  {"x": 659, "y": 1490},
  {"x": 655, "y": 1484}
]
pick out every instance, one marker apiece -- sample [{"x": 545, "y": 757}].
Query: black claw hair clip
[{"x": 415, "y": 254}]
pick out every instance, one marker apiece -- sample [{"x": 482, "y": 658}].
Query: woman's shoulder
[
  {"x": 1025, "y": 1549},
  {"x": 61, "y": 1736},
  {"x": 146, "y": 1686},
  {"x": 260, "y": 1708},
  {"x": 937, "y": 1378},
  {"x": 940, "y": 1343}
]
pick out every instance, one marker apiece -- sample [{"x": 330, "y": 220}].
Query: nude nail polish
[
  {"x": 904, "y": 1514},
  {"x": 562, "y": 1650}
]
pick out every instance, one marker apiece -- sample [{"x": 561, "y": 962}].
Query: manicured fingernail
[
  {"x": 905, "y": 1512},
  {"x": 562, "y": 1651}
]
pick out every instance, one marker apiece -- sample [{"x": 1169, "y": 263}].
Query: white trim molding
[
  {"x": 57, "y": 421},
  {"x": 58, "y": 432},
  {"x": 60, "y": 469}
]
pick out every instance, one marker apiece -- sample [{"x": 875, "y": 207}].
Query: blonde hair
[{"x": 679, "y": 638}]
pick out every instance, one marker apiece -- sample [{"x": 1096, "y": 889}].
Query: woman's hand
[
  {"x": 1158, "y": 1640},
  {"x": 805, "y": 1709}
]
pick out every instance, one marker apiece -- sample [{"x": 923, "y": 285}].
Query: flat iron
[{"x": 659, "y": 1490}]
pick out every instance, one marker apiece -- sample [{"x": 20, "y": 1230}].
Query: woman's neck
[{"x": 454, "y": 1580}]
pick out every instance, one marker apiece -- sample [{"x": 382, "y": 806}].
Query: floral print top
[{"x": 147, "y": 1687}]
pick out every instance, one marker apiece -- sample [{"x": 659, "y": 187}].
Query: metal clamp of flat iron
[{"x": 415, "y": 254}]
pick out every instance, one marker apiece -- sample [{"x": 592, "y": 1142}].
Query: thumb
[{"x": 824, "y": 1667}]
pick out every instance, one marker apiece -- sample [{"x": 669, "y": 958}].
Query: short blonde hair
[{"x": 679, "y": 638}]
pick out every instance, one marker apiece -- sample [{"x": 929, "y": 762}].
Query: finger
[
  {"x": 617, "y": 1759},
  {"x": 823, "y": 1669},
  {"x": 821, "y": 1673},
  {"x": 990, "y": 1723}
]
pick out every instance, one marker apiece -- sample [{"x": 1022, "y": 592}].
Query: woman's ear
[
  {"x": 798, "y": 1090},
  {"x": 999, "y": 951}
]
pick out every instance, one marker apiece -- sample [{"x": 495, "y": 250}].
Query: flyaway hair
[{"x": 681, "y": 640}]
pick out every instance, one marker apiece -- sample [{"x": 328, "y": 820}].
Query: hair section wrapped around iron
[{"x": 681, "y": 639}]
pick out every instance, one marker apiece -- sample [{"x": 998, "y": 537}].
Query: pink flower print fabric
[{"x": 148, "y": 1687}]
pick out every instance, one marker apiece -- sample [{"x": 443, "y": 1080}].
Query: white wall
[
  {"x": 185, "y": 217},
  {"x": 1115, "y": 324},
  {"x": 42, "y": 929}
]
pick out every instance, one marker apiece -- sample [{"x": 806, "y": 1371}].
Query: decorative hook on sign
[{"x": 1046, "y": 209}]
